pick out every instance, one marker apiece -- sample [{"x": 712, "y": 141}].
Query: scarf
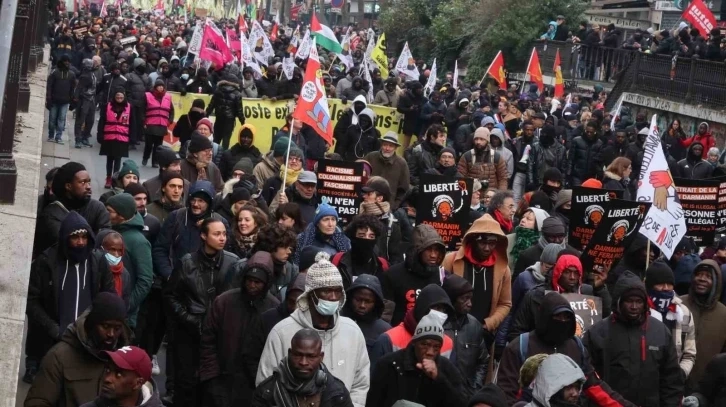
[
  {"x": 200, "y": 166},
  {"x": 294, "y": 385},
  {"x": 543, "y": 242},
  {"x": 506, "y": 224},
  {"x": 375, "y": 208},
  {"x": 291, "y": 175},
  {"x": 524, "y": 239},
  {"x": 469, "y": 255},
  {"x": 245, "y": 242},
  {"x": 662, "y": 301},
  {"x": 117, "y": 274}
]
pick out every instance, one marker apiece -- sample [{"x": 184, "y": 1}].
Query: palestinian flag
[{"x": 324, "y": 36}]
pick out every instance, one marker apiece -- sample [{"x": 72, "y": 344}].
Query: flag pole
[
  {"x": 287, "y": 156},
  {"x": 647, "y": 255}
]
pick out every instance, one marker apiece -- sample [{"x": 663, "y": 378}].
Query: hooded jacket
[
  {"x": 61, "y": 84},
  {"x": 232, "y": 156},
  {"x": 403, "y": 281},
  {"x": 424, "y": 156},
  {"x": 71, "y": 373},
  {"x": 358, "y": 141},
  {"x": 630, "y": 262},
  {"x": 451, "y": 118},
  {"x": 138, "y": 262},
  {"x": 695, "y": 167},
  {"x": 349, "y": 118},
  {"x": 371, "y": 324},
  {"x": 50, "y": 219},
  {"x": 432, "y": 113},
  {"x": 545, "y": 155},
  {"x": 271, "y": 317},
  {"x": 457, "y": 263},
  {"x": 637, "y": 359},
  {"x": 708, "y": 315},
  {"x": 226, "y": 102},
  {"x": 410, "y": 105},
  {"x": 555, "y": 373},
  {"x": 710, "y": 391},
  {"x": 345, "y": 350},
  {"x": 503, "y": 151},
  {"x": 190, "y": 173},
  {"x": 267, "y": 168},
  {"x": 233, "y": 338},
  {"x": 706, "y": 139},
  {"x": 395, "y": 170}
]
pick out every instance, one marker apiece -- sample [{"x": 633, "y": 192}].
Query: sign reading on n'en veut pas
[
  {"x": 444, "y": 203},
  {"x": 339, "y": 184}
]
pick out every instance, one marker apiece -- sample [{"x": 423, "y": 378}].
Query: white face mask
[
  {"x": 440, "y": 316},
  {"x": 327, "y": 308}
]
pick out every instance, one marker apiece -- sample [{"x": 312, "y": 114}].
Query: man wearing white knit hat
[{"x": 318, "y": 308}]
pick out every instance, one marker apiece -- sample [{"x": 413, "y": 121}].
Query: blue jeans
[{"x": 57, "y": 120}]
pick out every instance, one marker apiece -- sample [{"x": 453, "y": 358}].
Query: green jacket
[{"x": 137, "y": 261}]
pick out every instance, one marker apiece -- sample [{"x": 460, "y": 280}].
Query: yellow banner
[{"x": 268, "y": 117}]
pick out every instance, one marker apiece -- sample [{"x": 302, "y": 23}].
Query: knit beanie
[
  {"x": 245, "y": 165},
  {"x": 550, "y": 252},
  {"x": 129, "y": 167},
  {"x": 456, "y": 286},
  {"x": 529, "y": 369},
  {"x": 280, "y": 147},
  {"x": 321, "y": 274},
  {"x": 553, "y": 226},
  {"x": 167, "y": 176},
  {"x": 428, "y": 328},
  {"x": 540, "y": 200},
  {"x": 658, "y": 273},
  {"x": 135, "y": 188},
  {"x": 124, "y": 204},
  {"x": 490, "y": 395},
  {"x": 592, "y": 183},
  {"x": 323, "y": 211},
  {"x": 198, "y": 103},
  {"x": 448, "y": 150},
  {"x": 199, "y": 143},
  {"x": 552, "y": 174},
  {"x": 106, "y": 307},
  {"x": 166, "y": 156},
  {"x": 563, "y": 197},
  {"x": 206, "y": 122},
  {"x": 307, "y": 257},
  {"x": 258, "y": 273},
  {"x": 482, "y": 132},
  {"x": 239, "y": 194}
]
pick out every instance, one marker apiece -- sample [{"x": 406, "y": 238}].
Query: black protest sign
[
  {"x": 699, "y": 199},
  {"x": 444, "y": 203},
  {"x": 618, "y": 227},
  {"x": 721, "y": 208},
  {"x": 339, "y": 184},
  {"x": 588, "y": 209},
  {"x": 588, "y": 311}
]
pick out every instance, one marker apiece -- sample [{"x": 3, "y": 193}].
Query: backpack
[
  {"x": 336, "y": 260},
  {"x": 524, "y": 345}
]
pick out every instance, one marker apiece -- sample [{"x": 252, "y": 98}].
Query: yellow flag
[{"x": 379, "y": 56}]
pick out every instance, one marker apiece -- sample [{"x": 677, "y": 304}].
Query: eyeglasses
[{"x": 294, "y": 159}]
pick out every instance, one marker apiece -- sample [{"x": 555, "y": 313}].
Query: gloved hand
[{"x": 690, "y": 401}]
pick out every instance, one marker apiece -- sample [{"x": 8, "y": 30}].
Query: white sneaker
[{"x": 155, "y": 370}]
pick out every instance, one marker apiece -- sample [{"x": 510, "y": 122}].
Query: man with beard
[
  {"x": 198, "y": 165},
  {"x": 85, "y": 100},
  {"x": 112, "y": 80},
  {"x": 233, "y": 335},
  {"x": 693, "y": 166},
  {"x": 136, "y": 87},
  {"x": 616, "y": 147},
  {"x": 546, "y": 154},
  {"x": 159, "y": 114},
  {"x": 483, "y": 163},
  {"x": 634, "y": 352},
  {"x": 359, "y": 139},
  {"x": 303, "y": 192},
  {"x": 61, "y": 84},
  {"x": 425, "y": 154},
  {"x": 243, "y": 148},
  {"x": 349, "y": 118},
  {"x": 586, "y": 160},
  {"x": 99, "y": 329},
  {"x": 51, "y": 309},
  {"x": 226, "y": 106},
  {"x": 152, "y": 225},
  {"x": 302, "y": 377},
  {"x": 170, "y": 195},
  {"x": 387, "y": 164},
  {"x": 180, "y": 232},
  {"x": 366, "y": 306},
  {"x": 203, "y": 274},
  {"x": 433, "y": 111},
  {"x": 410, "y": 104},
  {"x": 388, "y": 96},
  {"x": 187, "y": 123},
  {"x": 72, "y": 190}
]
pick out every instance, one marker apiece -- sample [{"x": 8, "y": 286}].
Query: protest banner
[
  {"x": 444, "y": 203},
  {"x": 699, "y": 199},
  {"x": 721, "y": 211},
  {"x": 618, "y": 227},
  {"x": 339, "y": 184},
  {"x": 588, "y": 209},
  {"x": 588, "y": 311},
  {"x": 268, "y": 117}
]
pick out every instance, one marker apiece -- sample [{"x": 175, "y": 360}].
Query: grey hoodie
[
  {"x": 503, "y": 152},
  {"x": 556, "y": 372}
]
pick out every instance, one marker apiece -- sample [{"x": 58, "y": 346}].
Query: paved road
[{"x": 56, "y": 155}]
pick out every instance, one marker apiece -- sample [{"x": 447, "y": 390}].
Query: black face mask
[
  {"x": 362, "y": 249},
  {"x": 549, "y": 189},
  {"x": 557, "y": 332},
  {"x": 565, "y": 212}
]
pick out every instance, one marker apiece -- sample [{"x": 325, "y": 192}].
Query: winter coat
[
  {"x": 683, "y": 331},
  {"x": 334, "y": 392},
  {"x": 541, "y": 159},
  {"x": 344, "y": 346},
  {"x": 692, "y": 169},
  {"x": 60, "y": 86},
  {"x": 638, "y": 361},
  {"x": 454, "y": 111},
  {"x": 395, "y": 170},
  {"x": 149, "y": 397},
  {"x": 424, "y": 157},
  {"x": 184, "y": 127},
  {"x": 629, "y": 262},
  {"x": 672, "y": 142},
  {"x": 710, "y": 390},
  {"x": 488, "y": 165},
  {"x": 50, "y": 219},
  {"x": 347, "y": 119},
  {"x": 356, "y": 142},
  {"x": 385, "y": 98},
  {"x": 153, "y": 187},
  {"x": 708, "y": 313},
  {"x": 457, "y": 263},
  {"x": 190, "y": 173},
  {"x": 338, "y": 242},
  {"x": 612, "y": 150},
  {"x": 585, "y": 161},
  {"x": 432, "y": 114},
  {"x": 226, "y": 102},
  {"x": 138, "y": 260},
  {"x": 86, "y": 86},
  {"x": 265, "y": 169},
  {"x": 71, "y": 373},
  {"x": 136, "y": 88},
  {"x": 371, "y": 325},
  {"x": 612, "y": 181},
  {"x": 555, "y": 373},
  {"x": 410, "y": 105},
  {"x": 464, "y": 137},
  {"x": 231, "y": 157},
  {"x": 233, "y": 339},
  {"x": 171, "y": 83},
  {"x": 307, "y": 206}
]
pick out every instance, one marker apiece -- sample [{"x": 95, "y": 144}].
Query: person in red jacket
[{"x": 703, "y": 136}]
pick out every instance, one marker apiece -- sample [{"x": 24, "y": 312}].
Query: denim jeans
[{"x": 57, "y": 120}]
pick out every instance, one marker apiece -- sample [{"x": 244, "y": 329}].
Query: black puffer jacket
[
  {"x": 226, "y": 102},
  {"x": 585, "y": 159},
  {"x": 542, "y": 158},
  {"x": 711, "y": 390},
  {"x": 371, "y": 324},
  {"x": 424, "y": 157},
  {"x": 136, "y": 88},
  {"x": 638, "y": 360},
  {"x": 694, "y": 167}
]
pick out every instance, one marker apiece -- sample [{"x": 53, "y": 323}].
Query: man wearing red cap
[{"x": 126, "y": 381}]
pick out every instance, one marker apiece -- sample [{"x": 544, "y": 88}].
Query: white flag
[
  {"x": 407, "y": 65},
  {"x": 367, "y": 78},
  {"x": 371, "y": 45},
  {"x": 345, "y": 57},
  {"x": 303, "y": 51},
  {"x": 568, "y": 101},
  {"x": 260, "y": 44},
  {"x": 616, "y": 114},
  {"x": 248, "y": 59},
  {"x": 431, "y": 83},
  {"x": 288, "y": 68},
  {"x": 195, "y": 45},
  {"x": 456, "y": 75},
  {"x": 664, "y": 224}
]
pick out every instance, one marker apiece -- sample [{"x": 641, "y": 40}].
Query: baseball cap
[
  {"x": 133, "y": 359},
  {"x": 307, "y": 177}
]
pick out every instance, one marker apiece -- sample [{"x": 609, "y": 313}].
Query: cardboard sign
[
  {"x": 699, "y": 199},
  {"x": 588, "y": 311},
  {"x": 339, "y": 184},
  {"x": 444, "y": 203},
  {"x": 619, "y": 225},
  {"x": 588, "y": 209}
]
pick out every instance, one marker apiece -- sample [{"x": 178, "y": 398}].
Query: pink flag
[
  {"x": 698, "y": 14},
  {"x": 233, "y": 41},
  {"x": 214, "y": 49}
]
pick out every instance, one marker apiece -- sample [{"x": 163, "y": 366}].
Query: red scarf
[
  {"x": 506, "y": 224},
  {"x": 479, "y": 263},
  {"x": 117, "y": 271}
]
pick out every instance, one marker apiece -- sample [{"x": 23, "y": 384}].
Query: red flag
[
  {"x": 535, "y": 71},
  {"x": 214, "y": 48},
  {"x": 273, "y": 32},
  {"x": 496, "y": 70},
  {"x": 242, "y": 24},
  {"x": 312, "y": 105},
  {"x": 559, "y": 83},
  {"x": 233, "y": 41},
  {"x": 698, "y": 14}
]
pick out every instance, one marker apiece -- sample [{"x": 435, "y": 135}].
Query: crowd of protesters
[{"x": 265, "y": 298}]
